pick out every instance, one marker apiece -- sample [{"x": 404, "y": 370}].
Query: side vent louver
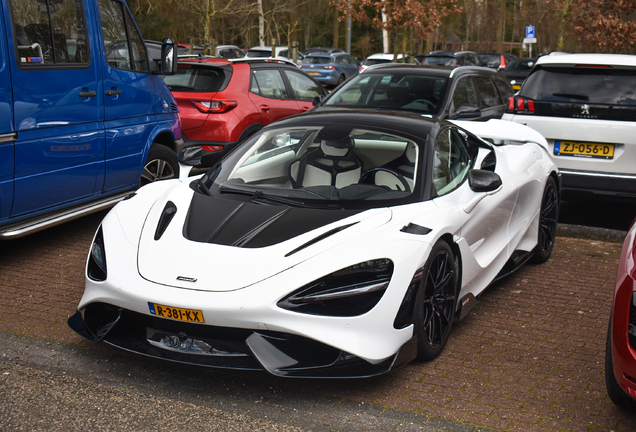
[
  {"x": 166, "y": 217},
  {"x": 412, "y": 228}
]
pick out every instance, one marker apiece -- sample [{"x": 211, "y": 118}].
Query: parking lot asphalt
[{"x": 529, "y": 357}]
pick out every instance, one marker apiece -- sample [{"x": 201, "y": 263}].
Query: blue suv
[{"x": 330, "y": 69}]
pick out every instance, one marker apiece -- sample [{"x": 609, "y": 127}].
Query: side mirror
[
  {"x": 168, "y": 57},
  {"x": 467, "y": 111},
  {"x": 191, "y": 156},
  {"x": 483, "y": 181}
]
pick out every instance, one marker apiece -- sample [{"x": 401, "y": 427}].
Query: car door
[
  {"x": 57, "y": 96},
  {"x": 271, "y": 96},
  {"x": 486, "y": 215},
  {"x": 129, "y": 92},
  {"x": 7, "y": 132},
  {"x": 303, "y": 88}
]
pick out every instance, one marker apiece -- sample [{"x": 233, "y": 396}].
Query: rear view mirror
[{"x": 168, "y": 57}]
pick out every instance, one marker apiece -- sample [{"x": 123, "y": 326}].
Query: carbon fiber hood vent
[{"x": 247, "y": 225}]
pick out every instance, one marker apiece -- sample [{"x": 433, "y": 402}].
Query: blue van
[{"x": 85, "y": 117}]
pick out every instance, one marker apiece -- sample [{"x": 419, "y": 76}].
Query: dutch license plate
[
  {"x": 516, "y": 87},
  {"x": 191, "y": 315},
  {"x": 583, "y": 149},
  {"x": 313, "y": 73}
]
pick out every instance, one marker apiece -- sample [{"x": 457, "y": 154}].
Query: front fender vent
[{"x": 166, "y": 217}]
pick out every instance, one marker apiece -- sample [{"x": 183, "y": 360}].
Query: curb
[{"x": 590, "y": 233}]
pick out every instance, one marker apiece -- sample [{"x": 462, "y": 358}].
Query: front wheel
[
  {"x": 547, "y": 222},
  {"x": 435, "y": 302},
  {"x": 162, "y": 164}
]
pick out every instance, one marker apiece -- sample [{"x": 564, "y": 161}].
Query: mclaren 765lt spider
[{"x": 329, "y": 244}]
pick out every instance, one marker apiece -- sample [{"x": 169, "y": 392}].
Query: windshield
[
  {"x": 371, "y": 62},
  {"x": 588, "y": 84},
  {"x": 439, "y": 61},
  {"x": 400, "y": 91},
  {"x": 318, "y": 60},
  {"x": 318, "y": 166}
]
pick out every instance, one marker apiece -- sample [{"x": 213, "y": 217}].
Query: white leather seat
[{"x": 332, "y": 164}]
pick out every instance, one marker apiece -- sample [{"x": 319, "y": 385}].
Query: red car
[
  {"x": 620, "y": 353},
  {"x": 222, "y": 101}
]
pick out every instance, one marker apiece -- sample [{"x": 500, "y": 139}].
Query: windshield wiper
[
  {"x": 261, "y": 197},
  {"x": 572, "y": 96}
]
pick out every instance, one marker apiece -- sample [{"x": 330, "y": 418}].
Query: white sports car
[{"x": 336, "y": 244}]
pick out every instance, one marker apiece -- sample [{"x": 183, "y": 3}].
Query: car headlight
[
  {"x": 96, "y": 267},
  {"x": 348, "y": 292}
]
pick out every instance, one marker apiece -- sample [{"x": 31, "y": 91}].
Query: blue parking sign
[{"x": 530, "y": 32}]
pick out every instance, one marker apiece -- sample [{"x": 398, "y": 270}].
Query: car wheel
[
  {"x": 547, "y": 222},
  {"x": 161, "y": 164},
  {"x": 341, "y": 79},
  {"x": 435, "y": 302},
  {"x": 614, "y": 390}
]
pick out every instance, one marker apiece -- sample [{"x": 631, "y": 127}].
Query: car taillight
[
  {"x": 215, "y": 106},
  {"x": 329, "y": 67},
  {"x": 519, "y": 104}
]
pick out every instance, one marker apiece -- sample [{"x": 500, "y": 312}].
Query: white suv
[{"x": 585, "y": 106}]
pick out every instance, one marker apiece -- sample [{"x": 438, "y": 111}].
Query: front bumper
[{"x": 278, "y": 353}]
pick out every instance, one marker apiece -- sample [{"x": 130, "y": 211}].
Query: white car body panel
[{"x": 237, "y": 287}]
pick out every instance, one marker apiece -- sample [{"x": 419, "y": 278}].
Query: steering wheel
[
  {"x": 364, "y": 177},
  {"x": 429, "y": 105}
]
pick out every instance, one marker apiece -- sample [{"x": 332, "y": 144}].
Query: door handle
[
  {"x": 303, "y": 109},
  {"x": 87, "y": 94},
  {"x": 264, "y": 107},
  {"x": 113, "y": 92}
]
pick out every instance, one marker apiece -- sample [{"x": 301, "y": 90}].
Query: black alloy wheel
[
  {"x": 162, "y": 164},
  {"x": 435, "y": 302},
  {"x": 547, "y": 222}
]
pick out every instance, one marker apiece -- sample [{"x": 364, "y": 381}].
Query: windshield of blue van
[{"x": 392, "y": 90}]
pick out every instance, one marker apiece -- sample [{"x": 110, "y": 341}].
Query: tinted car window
[
  {"x": 317, "y": 60},
  {"x": 505, "y": 90},
  {"x": 304, "y": 88},
  {"x": 190, "y": 78},
  {"x": 439, "y": 60},
  {"x": 464, "y": 93},
  {"x": 118, "y": 49},
  {"x": 487, "y": 93},
  {"x": 596, "y": 85},
  {"x": 33, "y": 22},
  {"x": 395, "y": 91},
  {"x": 269, "y": 83}
]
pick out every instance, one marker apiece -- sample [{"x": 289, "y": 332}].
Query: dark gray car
[{"x": 472, "y": 93}]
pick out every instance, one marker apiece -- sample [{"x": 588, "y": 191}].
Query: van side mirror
[{"x": 168, "y": 57}]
